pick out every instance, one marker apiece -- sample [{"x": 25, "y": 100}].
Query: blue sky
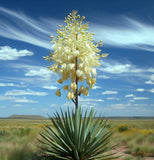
[{"x": 125, "y": 80}]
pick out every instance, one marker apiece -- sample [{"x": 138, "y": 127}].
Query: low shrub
[
  {"x": 3, "y": 133},
  {"x": 123, "y": 128}
]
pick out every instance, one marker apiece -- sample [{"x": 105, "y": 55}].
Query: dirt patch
[{"x": 122, "y": 152}]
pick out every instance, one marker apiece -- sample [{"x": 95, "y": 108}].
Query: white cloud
[
  {"x": 25, "y": 92},
  {"x": 90, "y": 100},
  {"x": 50, "y": 87},
  {"x": 113, "y": 98},
  {"x": 54, "y": 105},
  {"x": 103, "y": 76},
  {"x": 7, "y": 84},
  {"x": 140, "y": 90},
  {"x": 11, "y": 85},
  {"x": 96, "y": 87},
  {"x": 129, "y": 95},
  {"x": 152, "y": 90},
  {"x": 8, "y": 53},
  {"x": 138, "y": 36},
  {"x": 41, "y": 72},
  {"x": 24, "y": 100},
  {"x": 17, "y": 105},
  {"x": 131, "y": 100},
  {"x": 4, "y": 98},
  {"x": 115, "y": 67},
  {"x": 15, "y": 99},
  {"x": 109, "y": 92},
  {"x": 120, "y": 106},
  {"x": 140, "y": 98},
  {"x": 152, "y": 77},
  {"x": 149, "y": 82},
  {"x": 36, "y": 32},
  {"x": 18, "y": 26},
  {"x": 39, "y": 75}
]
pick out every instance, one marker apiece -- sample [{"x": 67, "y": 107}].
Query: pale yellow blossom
[
  {"x": 75, "y": 55},
  {"x": 70, "y": 95},
  {"x": 73, "y": 86}
]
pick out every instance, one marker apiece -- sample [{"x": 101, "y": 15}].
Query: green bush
[
  {"x": 3, "y": 133},
  {"x": 123, "y": 128}
]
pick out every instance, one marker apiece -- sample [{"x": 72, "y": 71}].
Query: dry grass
[{"x": 18, "y": 137}]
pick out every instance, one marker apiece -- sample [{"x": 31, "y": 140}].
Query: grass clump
[{"x": 21, "y": 132}]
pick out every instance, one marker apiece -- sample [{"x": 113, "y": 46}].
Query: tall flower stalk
[
  {"x": 75, "y": 56},
  {"x": 75, "y": 135}
]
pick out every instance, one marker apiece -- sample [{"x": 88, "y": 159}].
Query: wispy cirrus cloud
[
  {"x": 11, "y": 85},
  {"x": 115, "y": 67},
  {"x": 18, "y": 26},
  {"x": 8, "y": 53},
  {"x": 131, "y": 33}
]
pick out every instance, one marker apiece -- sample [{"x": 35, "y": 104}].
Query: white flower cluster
[{"x": 75, "y": 55}]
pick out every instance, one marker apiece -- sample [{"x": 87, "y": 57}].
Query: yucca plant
[{"x": 76, "y": 136}]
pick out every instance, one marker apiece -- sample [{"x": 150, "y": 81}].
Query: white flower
[
  {"x": 94, "y": 71},
  {"x": 74, "y": 41},
  {"x": 70, "y": 95},
  {"x": 63, "y": 66},
  {"x": 79, "y": 73},
  {"x": 76, "y": 52},
  {"x": 73, "y": 86}
]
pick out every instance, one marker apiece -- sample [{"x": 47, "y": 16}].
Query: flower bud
[
  {"x": 81, "y": 89},
  {"x": 58, "y": 93},
  {"x": 65, "y": 88},
  {"x": 70, "y": 95},
  {"x": 60, "y": 81},
  {"x": 87, "y": 91}
]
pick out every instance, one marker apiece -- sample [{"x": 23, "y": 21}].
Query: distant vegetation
[
  {"x": 14, "y": 116},
  {"x": 26, "y": 117}
]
